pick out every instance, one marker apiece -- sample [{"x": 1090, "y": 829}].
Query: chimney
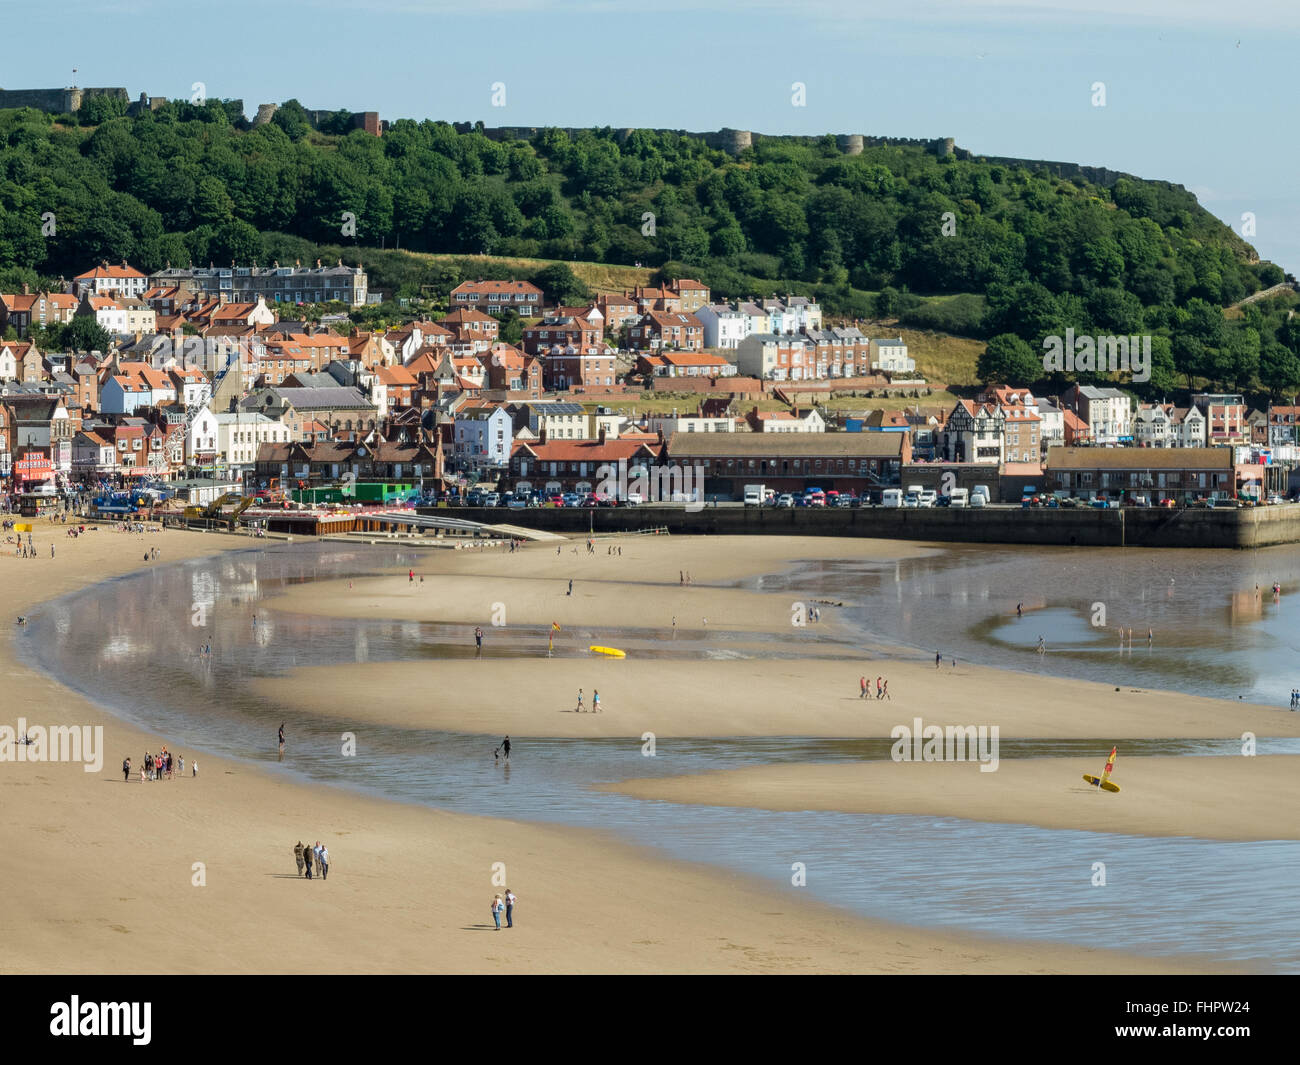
[{"x": 601, "y": 439}]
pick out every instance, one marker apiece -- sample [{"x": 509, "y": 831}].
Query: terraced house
[
  {"x": 496, "y": 296},
  {"x": 1182, "y": 474},
  {"x": 666, "y": 330}
]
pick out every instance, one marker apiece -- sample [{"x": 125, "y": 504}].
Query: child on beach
[{"x": 579, "y": 710}]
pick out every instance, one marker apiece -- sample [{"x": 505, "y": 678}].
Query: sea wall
[{"x": 1146, "y": 528}]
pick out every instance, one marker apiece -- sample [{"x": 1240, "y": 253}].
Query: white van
[
  {"x": 981, "y": 490},
  {"x": 891, "y": 497},
  {"x": 912, "y": 497},
  {"x": 755, "y": 495},
  {"x": 928, "y": 498},
  {"x": 958, "y": 497}
]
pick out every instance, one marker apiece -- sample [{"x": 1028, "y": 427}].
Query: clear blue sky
[{"x": 1196, "y": 90}]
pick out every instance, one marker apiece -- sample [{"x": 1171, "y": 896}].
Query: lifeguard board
[
  {"x": 612, "y": 652},
  {"x": 1106, "y": 785}
]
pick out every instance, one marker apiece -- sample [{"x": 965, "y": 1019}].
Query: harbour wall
[{"x": 1129, "y": 527}]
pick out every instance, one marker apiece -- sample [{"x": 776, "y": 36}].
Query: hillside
[{"x": 942, "y": 240}]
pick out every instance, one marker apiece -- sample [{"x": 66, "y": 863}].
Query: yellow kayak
[{"x": 612, "y": 652}]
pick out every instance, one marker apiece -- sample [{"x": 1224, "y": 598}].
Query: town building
[
  {"x": 274, "y": 284},
  {"x": 494, "y": 297}
]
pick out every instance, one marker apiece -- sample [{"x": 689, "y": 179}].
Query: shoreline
[{"x": 102, "y": 878}]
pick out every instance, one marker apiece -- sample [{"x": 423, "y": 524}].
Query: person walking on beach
[
  {"x": 511, "y": 897},
  {"x": 505, "y": 747},
  {"x": 315, "y": 853},
  {"x": 297, "y": 856},
  {"x": 570, "y": 591},
  {"x": 194, "y": 770},
  {"x": 306, "y": 857},
  {"x": 579, "y": 708},
  {"x": 885, "y": 690},
  {"x": 126, "y": 762},
  {"x": 1019, "y": 611},
  {"x": 497, "y": 907},
  {"x": 478, "y": 639},
  {"x": 937, "y": 659},
  {"x": 595, "y": 701},
  {"x": 879, "y": 689},
  {"x": 324, "y": 862},
  {"x": 862, "y": 687},
  {"x": 282, "y": 741}
]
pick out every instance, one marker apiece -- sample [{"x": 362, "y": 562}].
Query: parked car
[
  {"x": 492, "y": 499},
  {"x": 785, "y": 499},
  {"x": 519, "y": 502},
  {"x": 572, "y": 499},
  {"x": 846, "y": 499},
  {"x": 556, "y": 501},
  {"x": 634, "y": 499}
]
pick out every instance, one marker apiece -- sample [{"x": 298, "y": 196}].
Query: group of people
[
  {"x": 160, "y": 766},
  {"x": 312, "y": 859},
  {"x": 882, "y": 688},
  {"x": 595, "y": 701},
  {"x": 504, "y": 905}
]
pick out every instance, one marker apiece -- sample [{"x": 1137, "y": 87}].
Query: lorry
[{"x": 755, "y": 495}]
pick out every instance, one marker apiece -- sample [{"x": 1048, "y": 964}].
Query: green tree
[
  {"x": 1009, "y": 360},
  {"x": 559, "y": 285},
  {"x": 83, "y": 333}
]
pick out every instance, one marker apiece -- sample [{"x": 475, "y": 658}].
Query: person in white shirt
[
  {"x": 510, "y": 908},
  {"x": 324, "y": 856}
]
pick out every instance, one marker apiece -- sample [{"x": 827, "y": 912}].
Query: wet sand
[
  {"x": 750, "y": 697},
  {"x": 101, "y": 875},
  {"x": 1225, "y": 798}
]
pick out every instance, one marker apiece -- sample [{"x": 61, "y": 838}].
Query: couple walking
[
  {"x": 508, "y": 905},
  {"x": 308, "y": 857}
]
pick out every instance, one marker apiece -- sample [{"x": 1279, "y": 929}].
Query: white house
[
  {"x": 103, "y": 279},
  {"x": 202, "y": 437},
  {"x": 1153, "y": 426},
  {"x": 689, "y": 423},
  {"x": 107, "y": 312},
  {"x": 241, "y": 433},
  {"x": 483, "y": 436},
  {"x": 890, "y": 356},
  {"x": 1190, "y": 427},
  {"x": 724, "y": 327}
]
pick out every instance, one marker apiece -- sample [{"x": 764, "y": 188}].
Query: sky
[{"x": 1194, "y": 90}]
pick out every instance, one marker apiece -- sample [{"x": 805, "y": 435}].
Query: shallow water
[{"x": 131, "y": 644}]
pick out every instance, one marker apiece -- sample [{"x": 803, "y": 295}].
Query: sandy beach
[
  {"x": 102, "y": 874},
  {"x": 1158, "y": 796}
]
